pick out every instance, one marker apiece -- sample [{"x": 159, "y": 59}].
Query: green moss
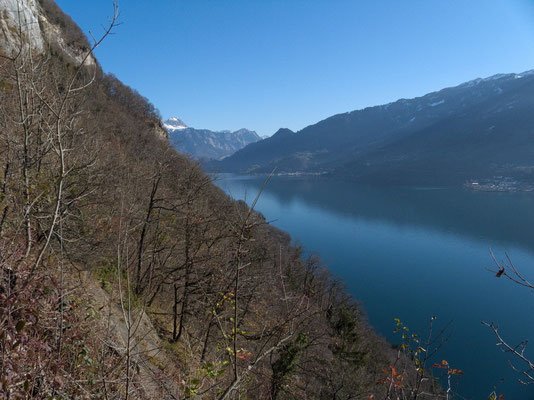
[
  {"x": 106, "y": 274},
  {"x": 5, "y": 85}
]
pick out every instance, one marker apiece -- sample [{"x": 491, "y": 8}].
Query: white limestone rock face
[
  {"x": 19, "y": 26},
  {"x": 24, "y": 26},
  {"x": 53, "y": 36}
]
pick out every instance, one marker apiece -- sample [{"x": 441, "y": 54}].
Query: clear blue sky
[{"x": 265, "y": 64}]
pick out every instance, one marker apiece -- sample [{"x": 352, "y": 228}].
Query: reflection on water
[
  {"x": 501, "y": 217},
  {"x": 416, "y": 252}
]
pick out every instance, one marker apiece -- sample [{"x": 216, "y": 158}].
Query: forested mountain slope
[
  {"x": 476, "y": 130},
  {"x": 126, "y": 274}
]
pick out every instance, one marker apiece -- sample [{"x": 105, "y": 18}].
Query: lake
[{"x": 416, "y": 252}]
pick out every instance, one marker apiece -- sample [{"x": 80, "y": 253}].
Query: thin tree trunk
[{"x": 155, "y": 184}]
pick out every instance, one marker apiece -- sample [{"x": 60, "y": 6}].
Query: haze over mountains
[
  {"x": 204, "y": 144},
  {"x": 479, "y": 130}
]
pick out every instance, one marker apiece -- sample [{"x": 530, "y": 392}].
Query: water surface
[{"x": 413, "y": 253}]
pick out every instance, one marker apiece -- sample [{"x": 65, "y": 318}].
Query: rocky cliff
[
  {"x": 30, "y": 24},
  {"x": 19, "y": 25}
]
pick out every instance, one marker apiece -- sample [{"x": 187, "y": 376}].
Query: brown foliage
[{"x": 235, "y": 308}]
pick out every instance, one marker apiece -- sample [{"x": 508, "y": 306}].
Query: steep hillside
[
  {"x": 476, "y": 130},
  {"x": 126, "y": 274},
  {"x": 203, "y": 144}
]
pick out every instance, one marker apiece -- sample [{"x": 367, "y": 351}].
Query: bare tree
[{"x": 525, "y": 365}]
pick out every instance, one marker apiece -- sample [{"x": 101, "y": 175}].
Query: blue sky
[{"x": 266, "y": 64}]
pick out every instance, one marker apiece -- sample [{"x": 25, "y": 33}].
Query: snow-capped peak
[
  {"x": 174, "y": 124},
  {"x": 497, "y": 77}
]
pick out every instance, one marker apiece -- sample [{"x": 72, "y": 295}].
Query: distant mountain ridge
[
  {"x": 477, "y": 130},
  {"x": 204, "y": 144}
]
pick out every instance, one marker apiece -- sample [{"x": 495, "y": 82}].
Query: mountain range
[
  {"x": 204, "y": 144},
  {"x": 480, "y": 130}
]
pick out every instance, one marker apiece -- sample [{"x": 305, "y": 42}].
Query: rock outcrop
[
  {"x": 19, "y": 26},
  {"x": 24, "y": 25}
]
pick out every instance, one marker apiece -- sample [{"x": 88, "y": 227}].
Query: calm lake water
[{"x": 412, "y": 253}]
